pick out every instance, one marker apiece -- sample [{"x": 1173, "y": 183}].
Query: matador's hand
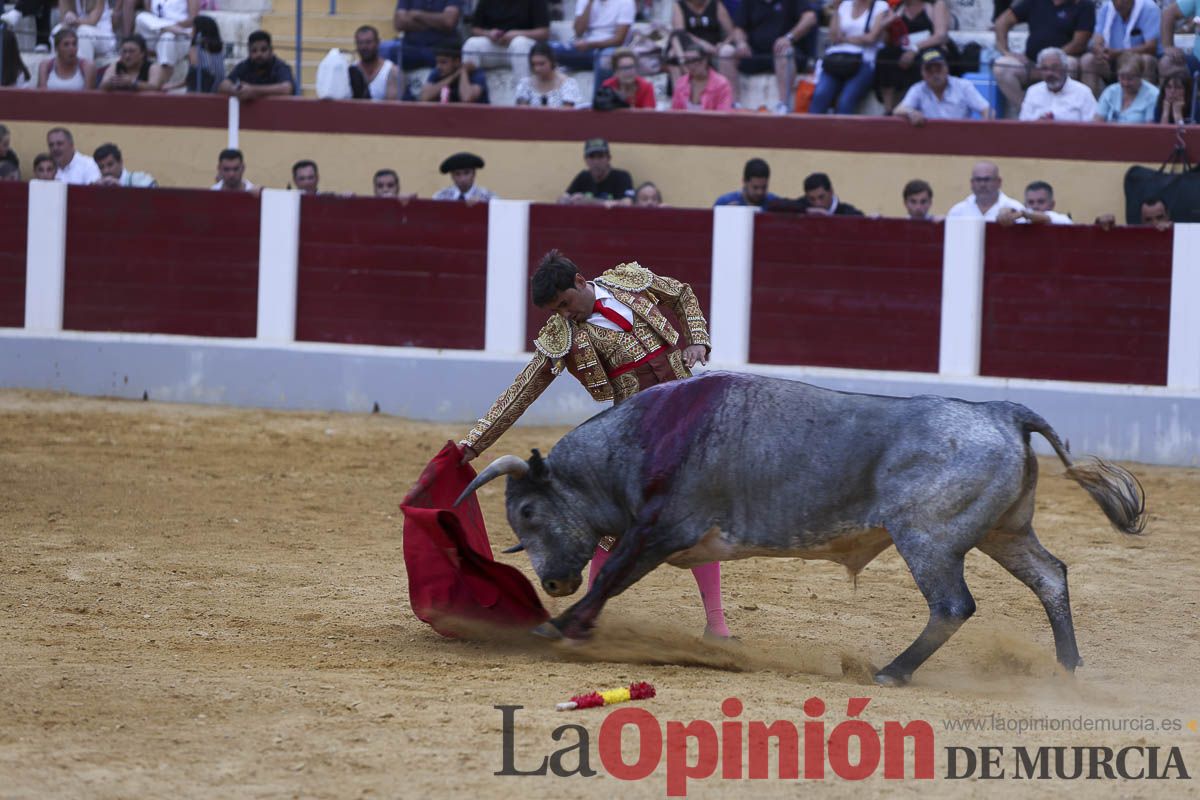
[
  {"x": 468, "y": 454},
  {"x": 693, "y": 354}
]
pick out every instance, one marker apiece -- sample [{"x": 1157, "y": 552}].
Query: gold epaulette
[
  {"x": 631, "y": 277},
  {"x": 554, "y": 339}
]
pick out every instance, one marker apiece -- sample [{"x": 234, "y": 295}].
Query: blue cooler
[{"x": 986, "y": 84}]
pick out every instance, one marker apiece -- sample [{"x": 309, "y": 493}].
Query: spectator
[
  {"x": 44, "y": 168},
  {"x": 545, "y": 85},
  {"x": 820, "y": 200},
  {"x": 40, "y": 11},
  {"x": 13, "y": 71},
  {"x": 1122, "y": 26},
  {"x": 1173, "y": 57},
  {"x": 703, "y": 23},
  {"x": 206, "y": 57},
  {"x": 372, "y": 77},
  {"x": 701, "y": 88},
  {"x": 634, "y": 90},
  {"x": 756, "y": 179},
  {"x": 1155, "y": 212},
  {"x": 1057, "y": 97},
  {"x": 386, "y": 183},
  {"x": 9, "y": 172},
  {"x": 848, "y": 67},
  {"x": 132, "y": 71},
  {"x": 940, "y": 95},
  {"x": 7, "y": 154},
  {"x": 1130, "y": 99},
  {"x": 1039, "y": 208},
  {"x": 113, "y": 172},
  {"x": 261, "y": 74},
  {"x": 166, "y": 26},
  {"x": 92, "y": 22},
  {"x": 66, "y": 71},
  {"x": 461, "y": 167},
  {"x": 918, "y": 201},
  {"x": 647, "y": 196},
  {"x": 504, "y": 31},
  {"x": 770, "y": 36},
  {"x": 452, "y": 81},
  {"x": 231, "y": 169},
  {"x": 305, "y": 176},
  {"x": 987, "y": 201},
  {"x": 1067, "y": 24},
  {"x": 73, "y": 167},
  {"x": 600, "y": 183},
  {"x": 600, "y": 27},
  {"x": 1174, "y": 106},
  {"x": 427, "y": 25},
  {"x": 916, "y": 27}
]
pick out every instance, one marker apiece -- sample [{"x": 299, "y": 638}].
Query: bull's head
[{"x": 548, "y": 525}]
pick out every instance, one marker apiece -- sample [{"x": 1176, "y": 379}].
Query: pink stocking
[
  {"x": 598, "y": 559},
  {"x": 708, "y": 578}
]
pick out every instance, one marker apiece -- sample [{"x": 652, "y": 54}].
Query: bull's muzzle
[{"x": 561, "y": 587}]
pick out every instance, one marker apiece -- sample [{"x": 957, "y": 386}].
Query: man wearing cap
[
  {"x": 627, "y": 330},
  {"x": 461, "y": 167},
  {"x": 600, "y": 182},
  {"x": 452, "y": 81},
  {"x": 940, "y": 95}
]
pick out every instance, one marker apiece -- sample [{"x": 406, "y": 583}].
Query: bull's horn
[
  {"x": 504, "y": 465},
  {"x": 516, "y": 548}
]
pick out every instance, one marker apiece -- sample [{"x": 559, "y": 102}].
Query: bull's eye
[{"x": 527, "y": 511}]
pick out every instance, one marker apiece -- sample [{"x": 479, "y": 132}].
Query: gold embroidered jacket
[{"x": 584, "y": 350}]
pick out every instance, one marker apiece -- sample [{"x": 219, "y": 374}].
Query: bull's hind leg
[{"x": 1023, "y": 555}]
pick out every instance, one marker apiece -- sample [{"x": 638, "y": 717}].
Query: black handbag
[
  {"x": 1176, "y": 183},
  {"x": 845, "y": 66}
]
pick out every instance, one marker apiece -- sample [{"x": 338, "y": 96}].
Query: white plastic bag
[{"x": 333, "y": 77}]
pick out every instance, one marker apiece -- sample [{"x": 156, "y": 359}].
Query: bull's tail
[{"x": 1118, "y": 493}]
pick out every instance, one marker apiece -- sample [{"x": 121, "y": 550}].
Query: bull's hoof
[
  {"x": 891, "y": 679},
  {"x": 547, "y": 630}
]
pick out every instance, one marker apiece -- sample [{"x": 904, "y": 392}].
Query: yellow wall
[{"x": 688, "y": 176}]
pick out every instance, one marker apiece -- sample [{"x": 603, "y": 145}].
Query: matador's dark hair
[{"x": 555, "y": 273}]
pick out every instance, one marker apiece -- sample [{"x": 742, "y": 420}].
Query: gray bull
[{"x": 730, "y": 466}]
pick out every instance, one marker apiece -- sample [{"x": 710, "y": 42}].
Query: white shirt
[
  {"x": 958, "y": 100},
  {"x": 968, "y": 208},
  {"x": 80, "y": 171},
  {"x": 608, "y": 301},
  {"x": 1073, "y": 103},
  {"x": 857, "y": 26},
  {"x": 220, "y": 185},
  {"x": 1058, "y": 219},
  {"x": 476, "y": 192},
  {"x": 605, "y": 17}
]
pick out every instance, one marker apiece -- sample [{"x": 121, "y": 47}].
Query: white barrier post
[
  {"x": 45, "y": 256},
  {"x": 732, "y": 282},
  {"x": 507, "y": 276},
  {"x": 235, "y": 122},
  {"x": 962, "y": 297},
  {"x": 278, "y": 264},
  {"x": 1183, "y": 348}
]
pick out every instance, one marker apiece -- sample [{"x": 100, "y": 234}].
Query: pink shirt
[{"x": 717, "y": 94}]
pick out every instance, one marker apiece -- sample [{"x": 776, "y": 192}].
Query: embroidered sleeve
[
  {"x": 683, "y": 301},
  {"x": 508, "y": 408}
]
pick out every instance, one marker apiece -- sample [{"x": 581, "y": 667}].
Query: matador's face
[{"x": 575, "y": 303}]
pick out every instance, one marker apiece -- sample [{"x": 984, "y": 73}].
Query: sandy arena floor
[{"x": 206, "y": 602}]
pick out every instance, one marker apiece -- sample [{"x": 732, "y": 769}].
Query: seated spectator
[
  {"x": 1122, "y": 26},
  {"x": 461, "y": 168},
  {"x": 260, "y": 75},
  {"x": 452, "y": 81},
  {"x": 1174, "y": 106},
  {"x": 10, "y": 172},
  {"x": 703, "y": 23},
  {"x": 132, "y": 71},
  {"x": 770, "y": 36},
  {"x": 1155, "y": 212},
  {"x": 633, "y": 90},
  {"x": 427, "y": 25},
  {"x": 206, "y": 57},
  {"x": 305, "y": 177},
  {"x": 819, "y": 200},
  {"x": 372, "y": 77},
  {"x": 92, "y": 22},
  {"x": 113, "y": 172},
  {"x": 600, "y": 183},
  {"x": 231, "y": 170},
  {"x": 940, "y": 95},
  {"x": 545, "y": 85},
  {"x": 40, "y": 11},
  {"x": 756, "y": 180},
  {"x": 1130, "y": 99},
  {"x": 166, "y": 26},
  {"x": 701, "y": 88},
  {"x": 13, "y": 71},
  {"x": 1039, "y": 208},
  {"x": 1173, "y": 58},
  {"x": 44, "y": 168},
  {"x": 916, "y": 27},
  {"x": 647, "y": 196},
  {"x": 7, "y": 154},
  {"x": 847, "y": 69},
  {"x": 601, "y": 26},
  {"x": 1066, "y": 24},
  {"x": 987, "y": 201},
  {"x": 1057, "y": 97},
  {"x": 386, "y": 183},
  {"x": 73, "y": 167},
  {"x": 918, "y": 201},
  {"x": 504, "y": 31}
]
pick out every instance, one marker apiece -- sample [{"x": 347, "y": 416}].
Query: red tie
[{"x": 612, "y": 316}]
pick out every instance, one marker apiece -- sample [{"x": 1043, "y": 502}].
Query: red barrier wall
[
  {"x": 14, "y": 213},
  {"x": 846, "y": 292},
  {"x": 378, "y": 272},
  {"x": 1077, "y": 303},
  {"x": 161, "y": 261},
  {"x": 672, "y": 242}
]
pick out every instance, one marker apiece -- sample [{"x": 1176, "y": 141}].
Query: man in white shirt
[
  {"x": 231, "y": 167},
  {"x": 600, "y": 27},
  {"x": 73, "y": 168},
  {"x": 1039, "y": 208},
  {"x": 1057, "y": 96},
  {"x": 113, "y": 173},
  {"x": 939, "y": 95},
  {"x": 987, "y": 201},
  {"x": 461, "y": 168}
]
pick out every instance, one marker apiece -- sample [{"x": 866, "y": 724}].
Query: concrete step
[
  {"x": 282, "y": 27},
  {"x": 371, "y": 8}
]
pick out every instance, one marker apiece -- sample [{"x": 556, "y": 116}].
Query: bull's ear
[{"x": 537, "y": 466}]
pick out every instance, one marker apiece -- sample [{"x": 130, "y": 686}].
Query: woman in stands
[
  {"x": 1130, "y": 99},
  {"x": 546, "y": 86},
  {"x": 847, "y": 69},
  {"x": 917, "y": 25},
  {"x": 701, "y": 88},
  {"x": 66, "y": 71},
  {"x": 133, "y": 71},
  {"x": 1175, "y": 100},
  {"x": 13, "y": 71},
  {"x": 206, "y": 58},
  {"x": 704, "y": 23},
  {"x": 635, "y": 90}
]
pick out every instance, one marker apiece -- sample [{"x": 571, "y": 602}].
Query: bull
[{"x": 729, "y": 466}]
